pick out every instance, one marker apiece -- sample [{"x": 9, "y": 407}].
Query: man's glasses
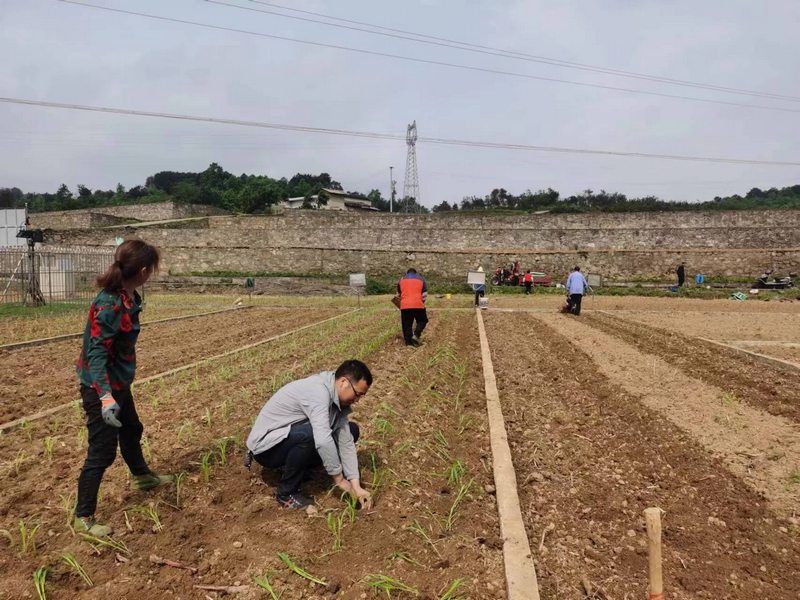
[{"x": 358, "y": 394}]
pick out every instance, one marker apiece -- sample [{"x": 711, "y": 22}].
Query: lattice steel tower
[{"x": 411, "y": 200}]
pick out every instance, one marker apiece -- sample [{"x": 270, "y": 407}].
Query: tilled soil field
[
  {"x": 591, "y": 455},
  {"x": 39, "y": 377},
  {"x": 424, "y": 453},
  {"x": 639, "y": 303},
  {"x": 23, "y": 329},
  {"x": 724, "y": 326},
  {"x": 774, "y": 390}
]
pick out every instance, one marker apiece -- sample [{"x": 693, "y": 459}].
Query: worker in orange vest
[
  {"x": 527, "y": 279},
  {"x": 413, "y": 292}
]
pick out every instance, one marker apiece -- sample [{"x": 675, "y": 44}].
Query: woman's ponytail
[{"x": 130, "y": 258}]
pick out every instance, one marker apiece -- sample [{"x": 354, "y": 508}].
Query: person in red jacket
[
  {"x": 413, "y": 292},
  {"x": 527, "y": 279}
]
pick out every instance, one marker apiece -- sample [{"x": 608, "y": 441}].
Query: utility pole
[
  {"x": 392, "y": 183},
  {"x": 411, "y": 183}
]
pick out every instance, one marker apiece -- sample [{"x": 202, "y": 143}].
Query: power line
[
  {"x": 428, "y": 61},
  {"x": 491, "y": 51},
  {"x": 402, "y": 138}
]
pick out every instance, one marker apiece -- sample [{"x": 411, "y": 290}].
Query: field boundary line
[
  {"x": 521, "y": 582},
  {"x": 756, "y": 343},
  {"x": 771, "y": 360},
  {"x": 72, "y": 336},
  {"x": 60, "y": 407}
]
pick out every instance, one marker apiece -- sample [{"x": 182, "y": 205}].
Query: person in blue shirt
[{"x": 576, "y": 286}]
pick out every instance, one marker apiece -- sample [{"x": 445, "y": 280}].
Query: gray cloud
[{"x": 58, "y": 52}]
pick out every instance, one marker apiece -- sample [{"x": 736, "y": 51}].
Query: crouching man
[{"x": 305, "y": 424}]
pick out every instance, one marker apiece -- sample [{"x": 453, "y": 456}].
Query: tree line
[{"x": 253, "y": 194}]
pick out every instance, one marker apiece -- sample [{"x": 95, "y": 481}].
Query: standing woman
[{"x": 106, "y": 369}]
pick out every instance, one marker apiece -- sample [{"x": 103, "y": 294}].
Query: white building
[{"x": 337, "y": 200}]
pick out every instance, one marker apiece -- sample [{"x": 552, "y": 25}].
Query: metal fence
[{"x": 52, "y": 275}]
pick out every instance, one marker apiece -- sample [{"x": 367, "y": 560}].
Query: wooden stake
[{"x": 652, "y": 517}]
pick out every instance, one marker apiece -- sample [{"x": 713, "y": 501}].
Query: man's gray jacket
[{"x": 313, "y": 399}]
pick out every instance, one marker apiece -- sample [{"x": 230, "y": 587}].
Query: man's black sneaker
[{"x": 296, "y": 500}]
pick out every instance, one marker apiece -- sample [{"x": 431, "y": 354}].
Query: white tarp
[{"x": 11, "y": 221}]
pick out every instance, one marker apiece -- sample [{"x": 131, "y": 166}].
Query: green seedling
[
  {"x": 351, "y": 504},
  {"x": 185, "y": 431},
  {"x": 39, "y": 579},
  {"x": 206, "y": 466},
  {"x": 450, "y": 594},
  {"x": 69, "y": 503},
  {"x": 195, "y": 385},
  {"x": 26, "y": 537},
  {"x": 441, "y": 446},
  {"x": 729, "y": 399},
  {"x": 405, "y": 446},
  {"x": 207, "y": 418},
  {"x": 8, "y": 536},
  {"x": 18, "y": 460},
  {"x": 335, "y": 523},
  {"x": 456, "y": 472},
  {"x": 382, "y": 426},
  {"x": 388, "y": 409},
  {"x": 420, "y": 531},
  {"x": 224, "y": 410},
  {"x": 464, "y": 423},
  {"x": 407, "y": 383},
  {"x": 76, "y": 408},
  {"x": 76, "y": 567},
  {"x": 151, "y": 511},
  {"x": 56, "y": 425},
  {"x": 304, "y": 574},
  {"x": 400, "y": 556},
  {"x": 146, "y": 447},
  {"x": 263, "y": 582},
  {"x": 399, "y": 480},
  {"x": 27, "y": 428},
  {"x": 452, "y": 516},
  {"x": 107, "y": 542},
  {"x": 180, "y": 478},
  {"x": 383, "y": 583},
  {"x": 794, "y": 477},
  {"x": 222, "y": 449},
  {"x": 83, "y": 436}
]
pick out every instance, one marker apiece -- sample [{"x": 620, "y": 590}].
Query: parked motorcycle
[{"x": 777, "y": 283}]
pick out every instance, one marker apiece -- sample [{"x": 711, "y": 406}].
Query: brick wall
[{"x": 616, "y": 245}]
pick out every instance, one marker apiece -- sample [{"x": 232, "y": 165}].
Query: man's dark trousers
[
  {"x": 296, "y": 455},
  {"x": 576, "y": 303},
  {"x": 103, "y": 439},
  {"x": 528, "y": 286},
  {"x": 407, "y": 318},
  {"x": 478, "y": 295}
]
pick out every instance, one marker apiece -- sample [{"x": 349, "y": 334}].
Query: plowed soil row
[
  {"x": 590, "y": 457},
  {"x": 772, "y": 389},
  {"x": 32, "y": 379},
  {"x": 723, "y": 326},
  {"x": 22, "y": 329},
  {"x": 231, "y": 528}
]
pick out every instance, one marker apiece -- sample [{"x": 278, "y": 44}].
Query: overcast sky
[{"x": 60, "y": 52}]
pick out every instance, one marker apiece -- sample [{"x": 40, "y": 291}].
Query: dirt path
[
  {"x": 43, "y": 376},
  {"x": 774, "y": 390},
  {"x": 588, "y": 463},
  {"x": 762, "y": 449}
]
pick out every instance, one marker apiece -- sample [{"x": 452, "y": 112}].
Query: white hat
[{"x": 480, "y": 269}]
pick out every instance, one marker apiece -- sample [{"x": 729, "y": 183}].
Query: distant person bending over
[
  {"x": 413, "y": 292},
  {"x": 304, "y": 424},
  {"x": 681, "y": 275},
  {"x": 106, "y": 368},
  {"x": 576, "y": 286},
  {"x": 527, "y": 279}
]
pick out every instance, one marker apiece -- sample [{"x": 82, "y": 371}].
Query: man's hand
[
  {"x": 363, "y": 496},
  {"x": 109, "y": 409},
  {"x": 342, "y": 483}
]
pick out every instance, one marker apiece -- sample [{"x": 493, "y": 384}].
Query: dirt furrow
[
  {"x": 591, "y": 456},
  {"x": 35, "y": 378},
  {"x": 762, "y": 449},
  {"x": 774, "y": 390}
]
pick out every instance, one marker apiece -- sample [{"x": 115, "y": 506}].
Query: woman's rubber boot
[
  {"x": 142, "y": 483},
  {"x": 90, "y": 526}
]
